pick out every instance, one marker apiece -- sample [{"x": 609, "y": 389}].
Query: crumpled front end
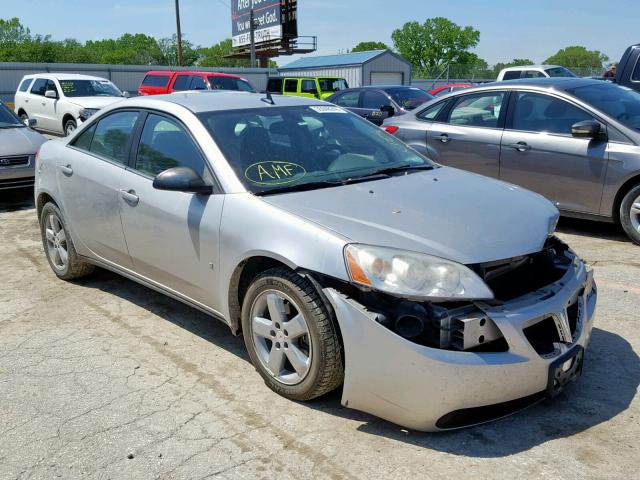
[{"x": 485, "y": 360}]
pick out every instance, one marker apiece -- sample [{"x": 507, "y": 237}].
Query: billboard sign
[{"x": 266, "y": 13}]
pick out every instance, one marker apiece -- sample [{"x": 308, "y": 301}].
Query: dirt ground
[{"x": 104, "y": 378}]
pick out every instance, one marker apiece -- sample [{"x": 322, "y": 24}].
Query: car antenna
[{"x": 268, "y": 98}]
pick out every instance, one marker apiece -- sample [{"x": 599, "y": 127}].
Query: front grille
[
  {"x": 14, "y": 161},
  {"x": 515, "y": 277},
  {"x": 543, "y": 334},
  {"x": 16, "y": 183}
]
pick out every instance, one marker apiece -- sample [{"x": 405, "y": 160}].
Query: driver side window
[
  {"x": 543, "y": 113},
  {"x": 166, "y": 144}
]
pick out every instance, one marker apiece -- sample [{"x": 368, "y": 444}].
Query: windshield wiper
[
  {"x": 406, "y": 167},
  {"x": 300, "y": 187}
]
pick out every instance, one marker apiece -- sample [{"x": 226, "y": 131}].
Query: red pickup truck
[{"x": 159, "y": 82}]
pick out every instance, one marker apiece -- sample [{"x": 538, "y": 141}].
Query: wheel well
[
  {"x": 626, "y": 187},
  {"x": 43, "y": 199},
  {"x": 66, "y": 118},
  {"x": 242, "y": 277},
  {"x": 21, "y": 111}
]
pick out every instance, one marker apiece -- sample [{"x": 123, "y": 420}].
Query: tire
[
  {"x": 70, "y": 127},
  {"x": 23, "y": 116},
  {"x": 630, "y": 214},
  {"x": 319, "y": 342},
  {"x": 56, "y": 240}
]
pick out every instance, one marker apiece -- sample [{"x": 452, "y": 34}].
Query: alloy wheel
[
  {"x": 56, "y": 242},
  {"x": 634, "y": 214},
  {"x": 281, "y": 337}
]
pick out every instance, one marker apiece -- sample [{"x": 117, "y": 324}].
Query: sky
[{"x": 508, "y": 28}]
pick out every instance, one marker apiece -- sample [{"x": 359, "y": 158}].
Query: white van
[{"x": 61, "y": 102}]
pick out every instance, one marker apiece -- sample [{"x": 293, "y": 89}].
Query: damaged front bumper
[{"x": 431, "y": 389}]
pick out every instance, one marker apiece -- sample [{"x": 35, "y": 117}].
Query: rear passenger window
[
  {"x": 182, "y": 82},
  {"x": 24, "y": 86},
  {"x": 374, "y": 100},
  {"x": 83, "y": 142},
  {"x": 166, "y": 144},
  {"x": 511, "y": 75},
  {"x": 291, "y": 86},
  {"x": 112, "y": 135},
  {"x": 432, "y": 112},
  {"x": 309, "y": 86},
  {"x": 479, "y": 110},
  {"x": 197, "y": 83},
  {"x": 533, "y": 74},
  {"x": 349, "y": 99},
  {"x": 39, "y": 86},
  {"x": 155, "y": 80}
]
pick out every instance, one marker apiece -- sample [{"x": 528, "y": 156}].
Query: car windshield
[
  {"x": 332, "y": 84},
  {"x": 408, "y": 98},
  {"x": 8, "y": 119},
  {"x": 89, "y": 88},
  {"x": 559, "y": 72},
  {"x": 230, "y": 83},
  {"x": 618, "y": 102},
  {"x": 288, "y": 148}
]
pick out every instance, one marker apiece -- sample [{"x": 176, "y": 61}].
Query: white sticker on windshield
[{"x": 327, "y": 109}]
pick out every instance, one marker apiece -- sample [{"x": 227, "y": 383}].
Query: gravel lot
[{"x": 104, "y": 378}]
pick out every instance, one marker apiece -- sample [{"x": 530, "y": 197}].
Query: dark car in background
[
  {"x": 628, "y": 71},
  {"x": 575, "y": 141},
  {"x": 376, "y": 103}
]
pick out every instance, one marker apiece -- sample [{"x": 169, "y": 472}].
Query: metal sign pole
[
  {"x": 252, "y": 39},
  {"x": 179, "y": 33}
]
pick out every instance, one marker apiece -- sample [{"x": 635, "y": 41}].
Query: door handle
[
  {"x": 521, "y": 146},
  {"x": 130, "y": 197},
  {"x": 67, "y": 170},
  {"x": 444, "y": 138}
]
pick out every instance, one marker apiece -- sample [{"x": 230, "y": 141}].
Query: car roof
[
  {"x": 186, "y": 72},
  {"x": 64, "y": 76},
  {"x": 529, "y": 67},
  {"x": 218, "y": 100}
]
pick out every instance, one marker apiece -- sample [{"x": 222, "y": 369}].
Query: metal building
[{"x": 376, "y": 67}]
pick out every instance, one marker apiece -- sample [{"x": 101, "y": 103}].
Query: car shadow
[
  {"x": 606, "y": 389},
  {"x": 591, "y": 228},
  {"x": 18, "y": 199}
]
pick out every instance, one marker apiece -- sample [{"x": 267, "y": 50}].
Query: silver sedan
[
  {"x": 576, "y": 141},
  {"x": 435, "y": 297},
  {"x": 18, "y": 147}
]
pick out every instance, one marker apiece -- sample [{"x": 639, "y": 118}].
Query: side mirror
[
  {"x": 30, "y": 122},
  {"x": 50, "y": 94},
  {"x": 182, "y": 179},
  {"x": 388, "y": 109},
  {"x": 126, "y": 94},
  {"x": 588, "y": 129}
]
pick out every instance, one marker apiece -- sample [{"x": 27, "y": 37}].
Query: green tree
[
  {"x": 368, "y": 46},
  {"x": 215, "y": 56},
  {"x": 435, "y": 43},
  {"x": 169, "y": 49},
  {"x": 578, "y": 57}
]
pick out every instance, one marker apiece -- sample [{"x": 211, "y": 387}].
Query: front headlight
[
  {"x": 85, "y": 113},
  {"x": 412, "y": 275}
]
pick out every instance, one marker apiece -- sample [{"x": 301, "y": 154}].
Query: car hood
[
  {"x": 443, "y": 212},
  {"x": 19, "y": 141},
  {"x": 94, "y": 102}
]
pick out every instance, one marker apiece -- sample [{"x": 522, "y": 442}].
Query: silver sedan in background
[
  {"x": 575, "y": 141},
  {"x": 341, "y": 255},
  {"x": 18, "y": 147}
]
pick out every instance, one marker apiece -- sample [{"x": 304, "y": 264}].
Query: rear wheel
[
  {"x": 69, "y": 127},
  {"x": 630, "y": 214},
  {"x": 58, "y": 245},
  {"x": 290, "y": 336}
]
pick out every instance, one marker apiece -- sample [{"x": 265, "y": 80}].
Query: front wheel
[
  {"x": 290, "y": 337},
  {"x": 70, "y": 127},
  {"x": 630, "y": 214},
  {"x": 24, "y": 117}
]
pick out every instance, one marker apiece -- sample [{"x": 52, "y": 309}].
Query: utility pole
[
  {"x": 179, "y": 36},
  {"x": 252, "y": 39}
]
